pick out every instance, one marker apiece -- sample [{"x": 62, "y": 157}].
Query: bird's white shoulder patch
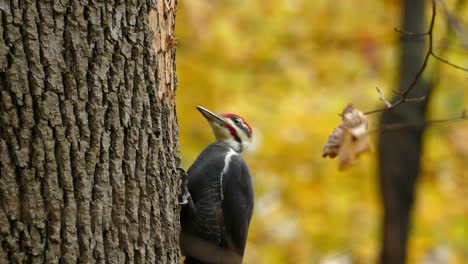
[{"x": 227, "y": 161}]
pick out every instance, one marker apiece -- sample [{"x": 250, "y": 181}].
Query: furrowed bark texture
[
  {"x": 88, "y": 132},
  {"x": 400, "y": 150}
]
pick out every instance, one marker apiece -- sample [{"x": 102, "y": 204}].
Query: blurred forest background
[{"x": 289, "y": 67}]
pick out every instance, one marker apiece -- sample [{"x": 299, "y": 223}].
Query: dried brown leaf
[
  {"x": 349, "y": 139},
  {"x": 334, "y": 142}
]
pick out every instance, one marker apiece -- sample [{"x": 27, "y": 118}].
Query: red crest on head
[{"x": 228, "y": 115}]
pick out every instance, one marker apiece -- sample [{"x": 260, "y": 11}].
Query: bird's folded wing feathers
[{"x": 237, "y": 204}]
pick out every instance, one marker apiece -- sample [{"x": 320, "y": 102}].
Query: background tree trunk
[
  {"x": 88, "y": 132},
  {"x": 400, "y": 150}
]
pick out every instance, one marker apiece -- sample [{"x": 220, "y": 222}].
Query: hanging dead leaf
[
  {"x": 349, "y": 139},
  {"x": 333, "y": 144}
]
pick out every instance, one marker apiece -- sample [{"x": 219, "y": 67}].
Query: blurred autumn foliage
[{"x": 289, "y": 67}]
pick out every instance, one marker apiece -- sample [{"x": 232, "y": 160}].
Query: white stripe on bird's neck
[
  {"x": 227, "y": 161},
  {"x": 234, "y": 145}
]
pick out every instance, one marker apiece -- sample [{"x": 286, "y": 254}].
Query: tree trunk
[
  {"x": 88, "y": 132},
  {"x": 400, "y": 150}
]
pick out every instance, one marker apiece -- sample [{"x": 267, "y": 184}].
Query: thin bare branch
[
  {"x": 382, "y": 98},
  {"x": 415, "y": 99},
  {"x": 430, "y": 52},
  {"x": 397, "y": 91},
  {"x": 406, "y": 92},
  {"x": 448, "y": 63},
  {"x": 462, "y": 117},
  {"x": 411, "y": 34}
]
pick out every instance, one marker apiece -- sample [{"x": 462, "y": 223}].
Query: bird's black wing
[
  {"x": 238, "y": 204},
  {"x": 204, "y": 221}
]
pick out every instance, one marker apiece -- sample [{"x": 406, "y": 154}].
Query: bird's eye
[{"x": 237, "y": 120}]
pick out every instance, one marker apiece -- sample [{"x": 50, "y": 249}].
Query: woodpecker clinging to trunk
[{"x": 216, "y": 221}]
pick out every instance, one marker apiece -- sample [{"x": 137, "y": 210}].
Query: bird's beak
[{"x": 211, "y": 117}]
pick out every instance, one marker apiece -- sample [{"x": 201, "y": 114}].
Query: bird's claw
[
  {"x": 181, "y": 171},
  {"x": 186, "y": 198}
]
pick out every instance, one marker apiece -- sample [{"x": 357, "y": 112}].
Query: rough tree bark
[
  {"x": 88, "y": 132},
  {"x": 400, "y": 150}
]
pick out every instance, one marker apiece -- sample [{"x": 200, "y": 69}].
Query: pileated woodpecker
[{"x": 216, "y": 220}]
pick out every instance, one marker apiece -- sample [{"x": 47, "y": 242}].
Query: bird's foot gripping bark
[{"x": 185, "y": 196}]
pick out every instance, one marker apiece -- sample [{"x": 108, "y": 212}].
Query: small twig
[
  {"x": 430, "y": 52},
  {"x": 411, "y": 34},
  {"x": 406, "y": 92},
  {"x": 415, "y": 99},
  {"x": 382, "y": 98},
  {"x": 397, "y": 91},
  {"x": 388, "y": 127},
  {"x": 448, "y": 63}
]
